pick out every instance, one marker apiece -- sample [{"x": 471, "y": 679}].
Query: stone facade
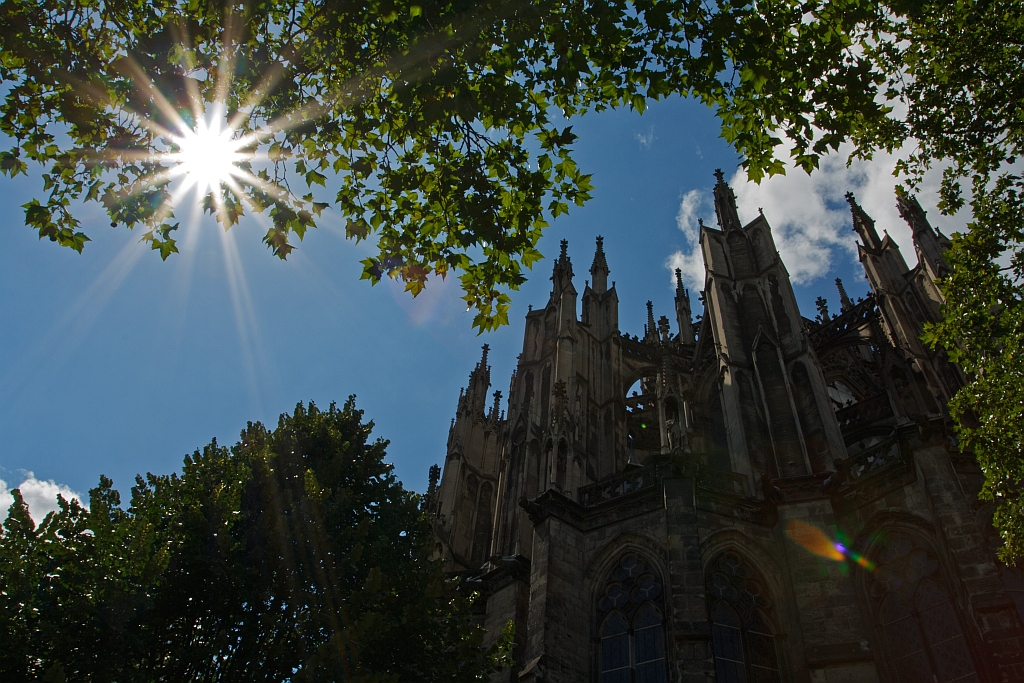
[{"x": 756, "y": 496}]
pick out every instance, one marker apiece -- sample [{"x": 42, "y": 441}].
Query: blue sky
[{"x": 115, "y": 362}]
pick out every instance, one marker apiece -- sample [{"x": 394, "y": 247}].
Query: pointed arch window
[
  {"x": 920, "y": 629},
  {"x": 742, "y": 636},
  {"x": 631, "y": 625}
]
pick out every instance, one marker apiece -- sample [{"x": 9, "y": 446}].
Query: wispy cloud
[
  {"x": 690, "y": 261},
  {"x": 40, "y": 495},
  {"x": 645, "y": 139},
  {"x": 809, "y": 216}
]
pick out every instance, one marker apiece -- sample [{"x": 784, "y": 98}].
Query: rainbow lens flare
[{"x": 816, "y": 542}]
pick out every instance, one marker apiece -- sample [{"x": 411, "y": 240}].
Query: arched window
[
  {"x": 742, "y": 637},
  {"x": 920, "y": 628},
  {"x": 632, "y": 631}
]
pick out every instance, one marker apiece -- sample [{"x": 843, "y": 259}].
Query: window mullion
[{"x": 632, "y": 654}]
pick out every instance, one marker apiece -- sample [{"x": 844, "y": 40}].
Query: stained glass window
[
  {"x": 921, "y": 631},
  {"x": 742, "y": 638},
  {"x": 632, "y": 631}
]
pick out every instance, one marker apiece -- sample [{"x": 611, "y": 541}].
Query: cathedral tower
[
  {"x": 773, "y": 396},
  {"x": 758, "y": 497}
]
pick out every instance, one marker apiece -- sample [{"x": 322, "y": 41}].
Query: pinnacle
[{"x": 600, "y": 262}]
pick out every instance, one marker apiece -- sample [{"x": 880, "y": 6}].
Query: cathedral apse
[{"x": 636, "y": 509}]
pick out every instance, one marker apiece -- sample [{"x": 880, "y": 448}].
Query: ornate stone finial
[
  {"x": 497, "y": 405},
  {"x": 561, "y": 272},
  {"x": 483, "y": 359},
  {"x": 651, "y": 329},
  {"x": 599, "y": 268},
  {"x": 432, "y": 478},
  {"x": 683, "y": 315},
  {"x": 434, "y": 474},
  {"x": 863, "y": 224},
  {"x": 822, "y": 305},
  {"x": 916, "y": 217},
  {"x": 725, "y": 204},
  {"x": 663, "y": 328},
  {"x": 847, "y": 304}
]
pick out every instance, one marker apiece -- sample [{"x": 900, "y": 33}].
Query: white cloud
[
  {"x": 809, "y": 216},
  {"x": 645, "y": 139},
  {"x": 690, "y": 262},
  {"x": 691, "y": 266},
  {"x": 690, "y": 207},
  {"x": 40, "y": 495}
]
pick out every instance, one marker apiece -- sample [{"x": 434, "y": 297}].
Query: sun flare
[{"x": 208, "y": 156}]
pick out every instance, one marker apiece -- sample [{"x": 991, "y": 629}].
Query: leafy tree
[
  {"x": 295, "y": 555},
  {"x": 963, "y": 85},
  {"x": 444, "y": 121}
]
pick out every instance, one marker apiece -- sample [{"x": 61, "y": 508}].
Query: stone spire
[
  {"x": 561, "y": 274},
  {"x": 911, "y": 211},
  {"x": 479, "y": 383},
  {"x": 430, "y": 500},
  {"x": 684, "y": 316},
  {"x": 844, "y": 298},
  {"x": 864, "y": 225},
  {"x": 725, "y": 204},
  {"x": 496, "y": 408},
  {"x": 928, "y": 242},
  {"x": 599, "y": 269},
  {"x": 650, "y": 329}
]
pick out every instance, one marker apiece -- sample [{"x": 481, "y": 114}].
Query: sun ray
[
  {"x": 253, "y": 358},
  {"x": 70, "y": 329}
]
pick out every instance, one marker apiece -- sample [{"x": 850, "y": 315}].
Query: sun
[{"x": 208, "y": 156}]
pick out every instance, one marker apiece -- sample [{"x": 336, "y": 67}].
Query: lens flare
[
  {"x": 208, "y": 156},
  {"x": 816, "y": 542}
]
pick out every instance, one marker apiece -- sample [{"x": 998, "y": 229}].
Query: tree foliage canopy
[
  {"x": 294, "y": 555},
  {"x": 445, "y": 124}
]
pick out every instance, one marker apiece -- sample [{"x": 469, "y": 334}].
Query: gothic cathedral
[{"x": 752, "y": 497}]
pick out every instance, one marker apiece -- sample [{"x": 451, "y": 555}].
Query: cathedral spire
[
  {"x": 911, "y": 211},
  {"x": 496, "y": 408},
  {"x": 651, "y": 329},
  {"x": 847, "y": 304},
  {"x": 561, "y": 273},
  {"x": 684, "y": 316},
  {"x": 929, "y": 243},
  {"x": 479, "y": 383},
  {"x": 599, "y": 269},
  {"x": 725, "y": 204},
  {"x": 863, "y": 224}
]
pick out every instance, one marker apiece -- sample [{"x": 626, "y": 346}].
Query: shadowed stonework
[{"x": 642, "y": 511}]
